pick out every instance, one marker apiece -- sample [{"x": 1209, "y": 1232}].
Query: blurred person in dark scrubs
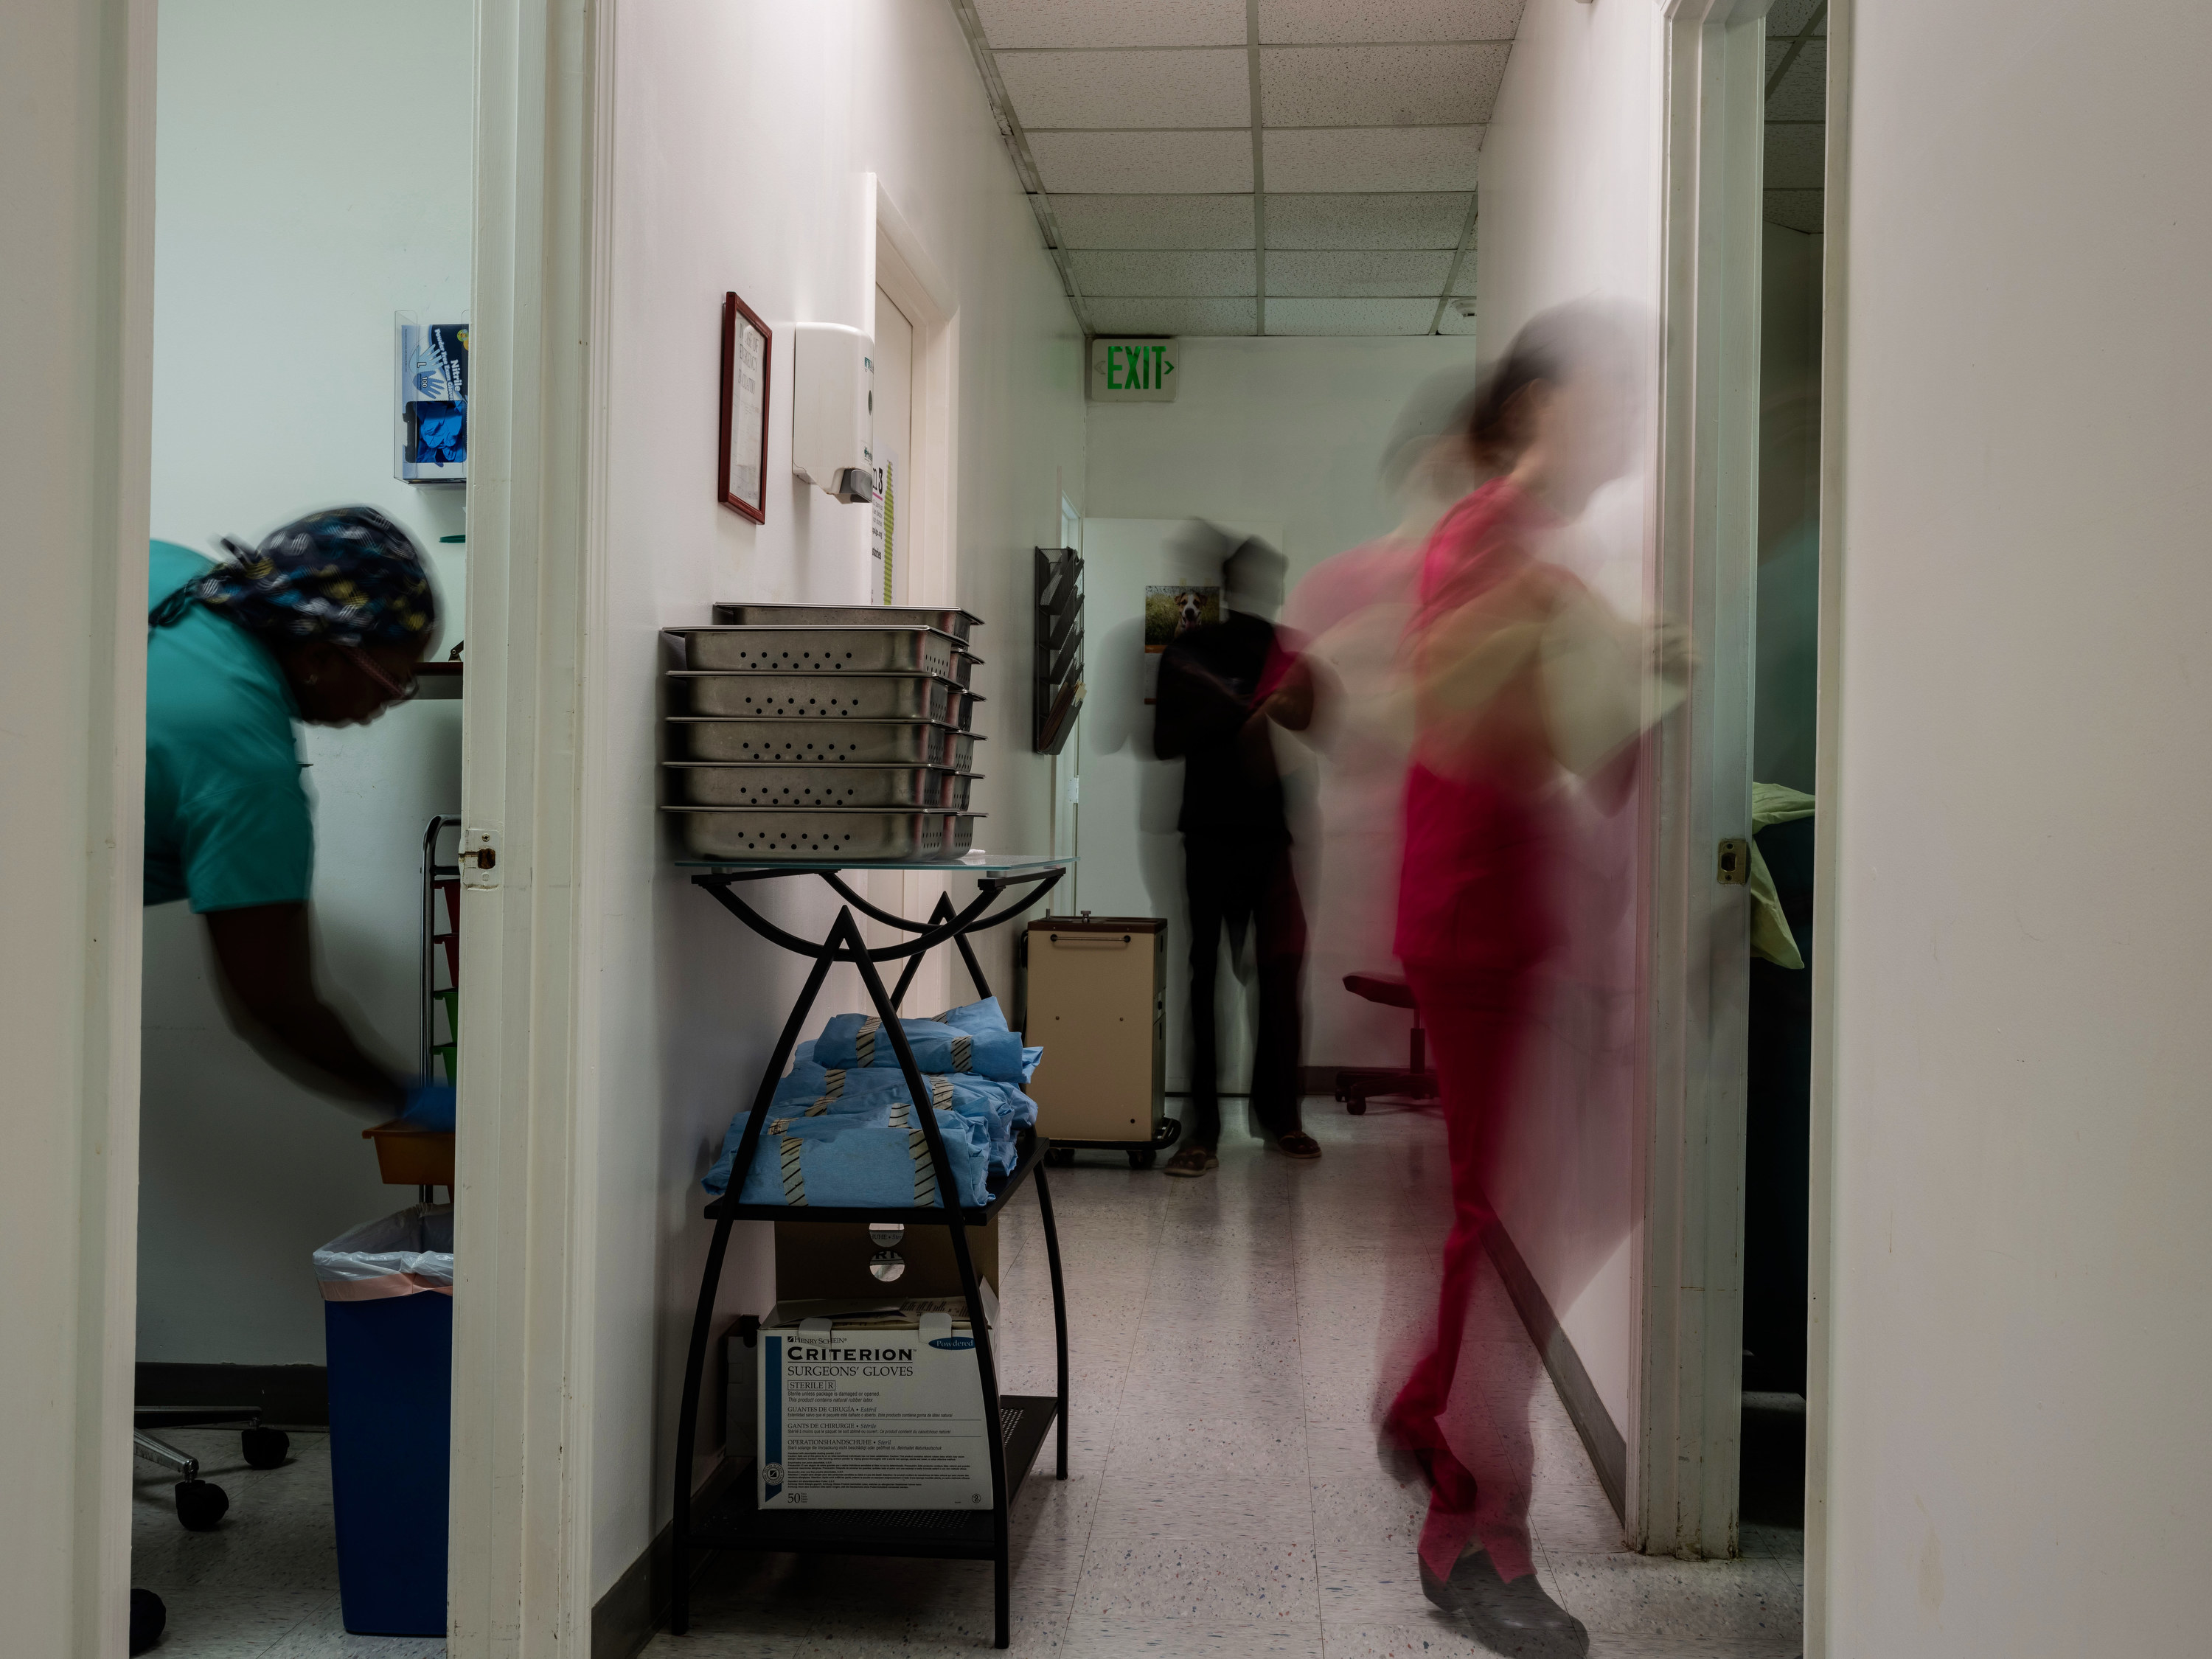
[
  {"x": 1221, "y": 685},
  {"x": 323, "y": 623}
]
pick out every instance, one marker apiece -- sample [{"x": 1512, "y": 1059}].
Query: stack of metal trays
[{"x": 812, "y": 733}]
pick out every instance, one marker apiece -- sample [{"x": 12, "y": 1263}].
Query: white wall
[
  {"x": 1289, "y": 432},
  {"x": 739, "y": 135},
  {"x": 1570, "y": 193},
  {"x": 297, "y": 210},
  {"x": 2022, "y": 1319}
]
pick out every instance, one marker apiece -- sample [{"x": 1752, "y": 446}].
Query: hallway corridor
[{"x": 1224, "y": 1496}]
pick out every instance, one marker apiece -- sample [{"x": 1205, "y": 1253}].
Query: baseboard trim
[
  {"x": 1601, "y": 1439},
  {"x": 624, "y": 1619},
  {"x": 287, "y": 1396}
]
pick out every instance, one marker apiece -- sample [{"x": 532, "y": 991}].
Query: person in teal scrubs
[{"x": 323, "y": 623}]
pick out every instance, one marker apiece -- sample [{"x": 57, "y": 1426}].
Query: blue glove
[{"x": 429, "y": 1107}]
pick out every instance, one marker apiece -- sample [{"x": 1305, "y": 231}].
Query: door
[{"x": 894, "y": 431}]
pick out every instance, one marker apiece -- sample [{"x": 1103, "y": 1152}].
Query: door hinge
[
  {"x": 1735, "y": 862},
  {"x": 479, "y": 857}
]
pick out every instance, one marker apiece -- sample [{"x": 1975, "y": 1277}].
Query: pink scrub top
[{"x": 1484, "y": 831}]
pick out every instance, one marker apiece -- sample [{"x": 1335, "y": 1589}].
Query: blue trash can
[{"x": 388, "y": 1339}]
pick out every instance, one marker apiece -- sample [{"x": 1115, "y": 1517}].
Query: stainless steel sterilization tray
[
  {"x": 725, "y": 783},
  {"x": 813, "y": 743},
  {"x": 955, "y": 622},
  {"x": 848, "y": 835},
  {"x": 812, "y": 648},
  {"x": 818, "y": 696}
]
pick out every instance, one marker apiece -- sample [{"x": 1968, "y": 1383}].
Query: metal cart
[{"x": 735, "y": 1521}]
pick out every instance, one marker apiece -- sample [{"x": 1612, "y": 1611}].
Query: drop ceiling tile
[
  {"x": 1145, "y": 163},
  {"x": 1463, "y": 284},
  {"x": 1803, "y": 92},
  {"x": 1350, "y": 316},
  {"x": 1796, "y": 155},
  {"x": 1155, "y": 222},
  {"x": 1172, "y": 316},
  {"x": 1128, "y": 88},
  {"x": 1122, "y": 24},
  {"x": 1327, "y": 21},
  {"x": 1380, "y": 86},
  {"x": 1157, "y": 274},
  {"x": 1413, "y": 219},
  {"x": 1799, "y": 210},
  {"x": 1789, "y": 17},
  {"x": 1374, "y": 275},
  {"x": 1372, "y": 158},
  {"x": 1458, "y": 318}
]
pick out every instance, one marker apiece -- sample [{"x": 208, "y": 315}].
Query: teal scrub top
[{"x": 227, "y": 818}]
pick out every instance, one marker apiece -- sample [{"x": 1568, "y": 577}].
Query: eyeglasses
[{"x": 400, "y": 690}]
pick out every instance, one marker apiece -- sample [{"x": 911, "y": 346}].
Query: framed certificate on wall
[{"x": 742, "y": 482}]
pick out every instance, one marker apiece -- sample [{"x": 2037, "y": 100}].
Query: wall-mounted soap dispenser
[{"x": 833, "y": 378}]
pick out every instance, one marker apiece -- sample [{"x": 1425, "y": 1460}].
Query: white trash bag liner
[{"x": 402, "y": 1254}]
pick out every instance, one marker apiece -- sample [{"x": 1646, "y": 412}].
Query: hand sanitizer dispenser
[{"x": 833, "y": 400}]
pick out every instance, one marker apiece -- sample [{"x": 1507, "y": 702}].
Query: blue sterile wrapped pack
[
  {"x": 1000, "y": 1107},
  {"x": 873, "y": 1154},
  {"x": 859, "y": 1042}
]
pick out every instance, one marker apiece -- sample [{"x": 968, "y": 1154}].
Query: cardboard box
[{"x": 870, "y": 1406}]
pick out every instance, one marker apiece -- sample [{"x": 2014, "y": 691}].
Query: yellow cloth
[{"x": 1770, "y": 937}]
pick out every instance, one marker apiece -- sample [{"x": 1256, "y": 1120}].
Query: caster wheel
[
  {"x": 200, "y": 1504},
  {"x": 265, "y": 1448},
  {"x": 1357, "y": 1105},
  {"x": 1142, "y": 1158},
  {"x": 148, "y": 1616},
  {"x": 1061, "y": 1158}
]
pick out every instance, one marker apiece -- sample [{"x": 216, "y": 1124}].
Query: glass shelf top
[{"x": 975, "y": 864}]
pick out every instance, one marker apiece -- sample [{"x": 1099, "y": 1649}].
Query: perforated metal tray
[
  {"x": 813, "y": 648},
  {"x": 722, "y": 783},
  {"x": 817, "y": 697},
  {"x": 813, "y": 743},
  {"x": 854, "y": 834},
  {"x": 955, "y": 622}
]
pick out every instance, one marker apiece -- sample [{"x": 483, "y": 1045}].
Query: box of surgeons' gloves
[{"x": 867, "y": 1405}]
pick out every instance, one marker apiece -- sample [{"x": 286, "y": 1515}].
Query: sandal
[
  {"x": 1193, "y": 1161},
  {"x": 1297, "y": 1143}
]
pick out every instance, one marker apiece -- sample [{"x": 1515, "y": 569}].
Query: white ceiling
[
  {"x": 1247, "y": 166},
  {"x": 1797, "y": 112}
]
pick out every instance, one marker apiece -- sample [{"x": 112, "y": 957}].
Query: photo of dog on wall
[{"x": 1171, "y": 612}]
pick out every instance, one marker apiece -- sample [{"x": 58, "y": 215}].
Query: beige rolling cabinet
[{"x": 1094, "y": 993}]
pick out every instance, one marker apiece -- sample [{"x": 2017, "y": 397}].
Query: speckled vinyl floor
[
  {"x": 1224, "y": 1497},
  {"x": 265, "y": 1583}
]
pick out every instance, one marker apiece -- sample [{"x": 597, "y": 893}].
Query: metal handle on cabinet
[{"x": 1089, "y": 942}]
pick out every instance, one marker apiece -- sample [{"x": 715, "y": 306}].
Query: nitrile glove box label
[{"x": 870, "y": 1418}]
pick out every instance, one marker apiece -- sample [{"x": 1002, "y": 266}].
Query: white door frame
[
  {"x": 77, "y": 311},
  {"x": 1683, "y": 1478},
  {"x": 1835, "y": 250},
  {"x": 77, "y": 477},
  {"x": 533, "y": 758}
]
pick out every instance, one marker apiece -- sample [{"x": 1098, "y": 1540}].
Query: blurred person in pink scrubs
[
  {"x": 1348, "y": 619},
  {"x": 1529, "y": 691}
]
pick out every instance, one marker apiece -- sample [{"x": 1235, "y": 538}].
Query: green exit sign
[{"x": 1133, "y": 371}]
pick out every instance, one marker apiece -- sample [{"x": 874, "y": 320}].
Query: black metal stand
[{"x": 736, "y": 1522}]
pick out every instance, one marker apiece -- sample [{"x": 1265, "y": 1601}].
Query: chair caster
[
  {"x": 200, "y": 1504},
  {"x": 148, "y": 1616},
  {"x": 1357, "y": 1105},
  {"x": 1143, "y": 1157},
  {"x": 264, "y": 1448},
  {"x": 1061, "y": 1158}
]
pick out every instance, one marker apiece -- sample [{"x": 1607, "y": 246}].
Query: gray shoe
[{"x": 1513, "y": 1617}]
